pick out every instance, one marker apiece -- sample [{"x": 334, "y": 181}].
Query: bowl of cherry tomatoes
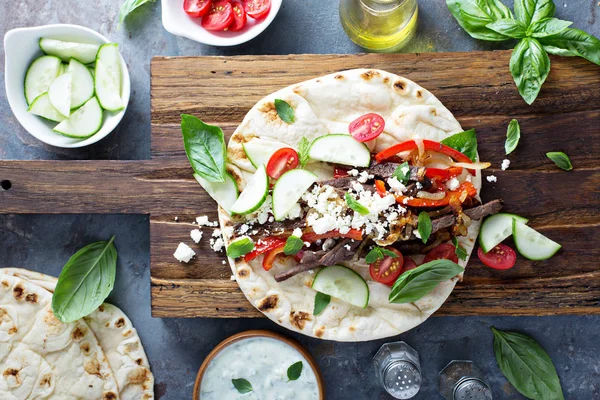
[{"x": 218, "y": 22}]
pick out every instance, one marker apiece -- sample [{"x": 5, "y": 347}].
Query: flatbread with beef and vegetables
[{"x": 349, "y": 204}]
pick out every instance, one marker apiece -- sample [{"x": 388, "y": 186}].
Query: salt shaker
[
  {"x": 398, "y": 369},
  {"x": 462, "y": 380}
]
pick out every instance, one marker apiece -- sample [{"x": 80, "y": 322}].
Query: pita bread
[
  {"x": 327, "y": 105},
  {"x": 118, "y": 338}
]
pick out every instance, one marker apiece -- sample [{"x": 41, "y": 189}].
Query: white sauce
[{"x": 264, "y": 363}]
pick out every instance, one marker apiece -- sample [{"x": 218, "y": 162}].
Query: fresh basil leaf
[
  {"x": 547, "y": 27},
  {"x": 242, "y": 385},
  {"x": 513, "y": 134},
  {"x": 474, "y": 15},
  {"x": 529, "y": 66},
  {"x": 458, "y": 250},
  {"x": 374, "y": 254},
  {"x": 527, "y": 366},
  {"x": 303, "y": 148},
  {"x": 205, "y": 148},
  {"x": 402, "y": 173},
  {"x": 508, "y": 27},
  {"x": 560, "y": 159},
  {"x": 284, "y": 110},
  {"x": 465, "y": 142},
  {"x": 85, "y": 281},
  {"x": 531, "y": 11},
  {"x": 293, "y": 245},
  {"x": 424, "y": 226},
  {"x": 294, "y": 371},
  {"x": 128, "y": 6},
  {"x": 388, "y": 253},
  {"x": 416, "y": 283},
  {"x": 573, "y": 42},
  {"x": 321, "y": 301},
  {"x": 355, "y": 205},
  {"x": 240, "y": 247}
]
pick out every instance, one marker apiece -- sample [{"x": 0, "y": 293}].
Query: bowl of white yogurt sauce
[{"x": 258, "y": 360}]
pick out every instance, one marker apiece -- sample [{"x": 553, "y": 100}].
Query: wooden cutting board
[{"x": 475, "y": 86}]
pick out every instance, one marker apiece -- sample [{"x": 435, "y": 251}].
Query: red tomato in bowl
[
  {"x": 500, "y": 257},
  {"x": 257, "y": 9},
  {"x": 219, "y": 16},
  {"x": 282, "y": 161},
  {"x": 196, "y": 8},
  {"x": 386, "y": 271},
  {"x": 443, "y": 251},
  {"x": 239, "y": 16},
  {"x": 367, "y": 127}
]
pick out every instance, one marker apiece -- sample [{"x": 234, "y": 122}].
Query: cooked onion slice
[
  {"x": 475, "y": 165},
  {"x": 430, "y": 196}
]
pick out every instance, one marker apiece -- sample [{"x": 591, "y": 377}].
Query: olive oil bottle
[{"x": 379, "y": 25}]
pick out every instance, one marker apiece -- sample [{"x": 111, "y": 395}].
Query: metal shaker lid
[
  {"x": 472, "y": 389},
  {"x": 402, "y": 379}
]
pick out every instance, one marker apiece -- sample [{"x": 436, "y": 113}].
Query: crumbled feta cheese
[
  {"x": 203, "y": 221},
  {"x": 224, "y": 262},
  {"x": 307, "y": 244},
  {"x": 347, "y": 247},
  {"x": 405, "y": 170},
  {"x": 176, "y": 219},
  {"x": 328, "y": 245},
  {"x": 196, "y": 235},
  {"x": 505, "y": 164},
  {"x": 357, "y": 187},
  {"x": 244, "y": 228},
  {"x": 294, "y": 211},
  {"x": 218, "y": 244},
  {"x": 184, "y": 253},
  {"x": 353, "y": 172},
  {"x": 453, "y": 184},
  {"x": 395, "y": 185},
  {"x": 417, "y": 234},
  {"x": 419, "y": 186},
  {"x": 232, "y": 278},
  {"x": 297, "y": 232},
  {"x": 216, "y": 233},
  {"x": 364, "y": 177},
  {"x": 491, "y": 178},
  {"x": 271, "y": 218}
]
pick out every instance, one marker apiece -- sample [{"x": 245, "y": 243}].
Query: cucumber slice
[
  {"x": 340, "y": 149},
  {"x": 40, "y": 75},
  {"x": 342, "y": 283},
  {"x": 496, "y": 228},
  {"x": 224, "y": 193},
  {"x": 532, "y": 244},
  {"x": 59, "y": 93},
  {"x": 107, "y": 79},
  {"x": 254, "y": 194},
  {"x": 288, "y": 190},
  {"x": 82, "y": 83},
  {"x": 84, "y": 122},
  {"x": 259, "y": 151},
  {"x": 84, "y": 52},
  {"x": 63, "y": 68},
  {"x": 41, "y": 106}
]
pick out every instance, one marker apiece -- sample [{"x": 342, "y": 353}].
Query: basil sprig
[
  {"x": 85, "y": 282},
  {"x": 416, "y": 283},
  {"x": 303, "y": 148},
  {"x": 321, "y": 302},
  {"x": 284, "y": 110},
  {"x": 378, "y": 253},
  {"x": 402, "y": 173},
  {"x": 242, "y": 385},
  {"x": 513, "y": 135},
  {"x": 240, "y": 247},
  {"x": 560, "y": 159},
  {"x": 539, "y": 33},
  {"x": 355, "y": 205},
  {"x": 294, "y": 371},
  {"x": 205, "y": 148},
  {"x": 458, "y": 250},
  {"x": 527, "y": 366},
  {"x": 293, "y": 245},
  {"x": 424, "y": 226},
  {"x": 465, "y": 142}
]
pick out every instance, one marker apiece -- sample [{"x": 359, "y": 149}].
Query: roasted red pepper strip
[
  {"x": 380, "y": 186},
  {"x": 466, "y": 189},
  {"x": 311, "y": 237},
  {"x": 264, "y": 245},
  {"x": 270, "y": 256},
  {"x": 443, "y": 175},
  {"x": 428, "y": 145}
]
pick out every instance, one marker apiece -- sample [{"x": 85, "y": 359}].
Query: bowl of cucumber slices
[{"x": 67, "y": 85}]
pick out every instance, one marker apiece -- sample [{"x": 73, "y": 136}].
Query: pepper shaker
[{"x": 463, "y": 380}]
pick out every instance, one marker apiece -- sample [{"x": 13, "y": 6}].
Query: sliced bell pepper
[
  {"x": 380, "y": 186},
  {"x": 443, "y": 175},
  {"x": 464, "y": 190},
  {"x": 264, "y": 245},
  {"x": 311, "y": 237},
  {"x": 270, "y": 256},
  {"x": 428, "y": 145}
]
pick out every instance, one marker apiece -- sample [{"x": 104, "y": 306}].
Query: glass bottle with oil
[{"x": 379, "y": 25}]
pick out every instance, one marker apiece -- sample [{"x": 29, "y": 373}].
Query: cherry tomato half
[
  {"x": 500, "y": 257},
  {"x": 282, "y": 161},
  {"x": 386, "y": 271},
  {"x": 196, "y": 8},
  {"x": 257, "y": 9},
  {"x": 443, "y": 251},
  {"x": 219, "y": 16},
  {"x": 367, "y": 127},
  {"x": 409, "y": 264},
  {"x": 239, "y": 16}
]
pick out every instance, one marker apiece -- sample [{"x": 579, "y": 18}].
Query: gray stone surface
[{"x": 176, "y": 347}]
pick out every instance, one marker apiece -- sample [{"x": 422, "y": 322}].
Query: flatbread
[
  {"x": 327, "y": 105},
  {"x": 40, "y": 357},
  {"x": 118, "y": 338}
]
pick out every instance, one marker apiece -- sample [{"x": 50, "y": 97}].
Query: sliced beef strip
[
  {"x": 386, "y": 170},
  {"x": 343, "y": 184}
]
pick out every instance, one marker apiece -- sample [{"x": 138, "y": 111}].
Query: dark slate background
[{"x": 176, "y": 347}]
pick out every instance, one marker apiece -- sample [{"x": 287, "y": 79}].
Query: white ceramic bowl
[
  {"x": 177, "y": 22},
  {"x": 21, "y": 48}
]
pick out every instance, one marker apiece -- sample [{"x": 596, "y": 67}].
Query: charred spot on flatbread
[
  {"x": 127, "y": 333},
  {"x": 368, "y": 75},
  {"x": 5, "y": 284},
  {"x": 401, "y": 86},
  {"x": 386, "y": 80},
  {"x": 18, "y": 292},
  {"x": 138, "y": 375},
  {"x": 78, "y": 333},
  {"x": 320, "y": 332},
  {"x": 92, "y": 367},
  {"x": 31, "y": 298},
  {"x": 85, "y": 348},
  {"x": 120, "y": 322},
  {"x": 101, "y": 308},
  {"x": 139, "y": 361},
  {"x": 268, "y": 303},
  {"x": 46, "y": 380},
  {"x": 351, "y": 329},
  {"x": 269, "y": 111},
  {"x": 243, "y": 272},
  {"x": 419, "y": 94},
  {"x": 339, "y": 77},
  {"x": 109, "y": 396},
  {"x": 299, "y": 318},
  {"x": 11, "y": 372}
]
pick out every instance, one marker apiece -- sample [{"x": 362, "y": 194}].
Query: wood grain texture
[{"x": 475, "y": 86}]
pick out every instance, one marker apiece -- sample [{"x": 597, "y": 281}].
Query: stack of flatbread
[{"x": 98, "y": 357}]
